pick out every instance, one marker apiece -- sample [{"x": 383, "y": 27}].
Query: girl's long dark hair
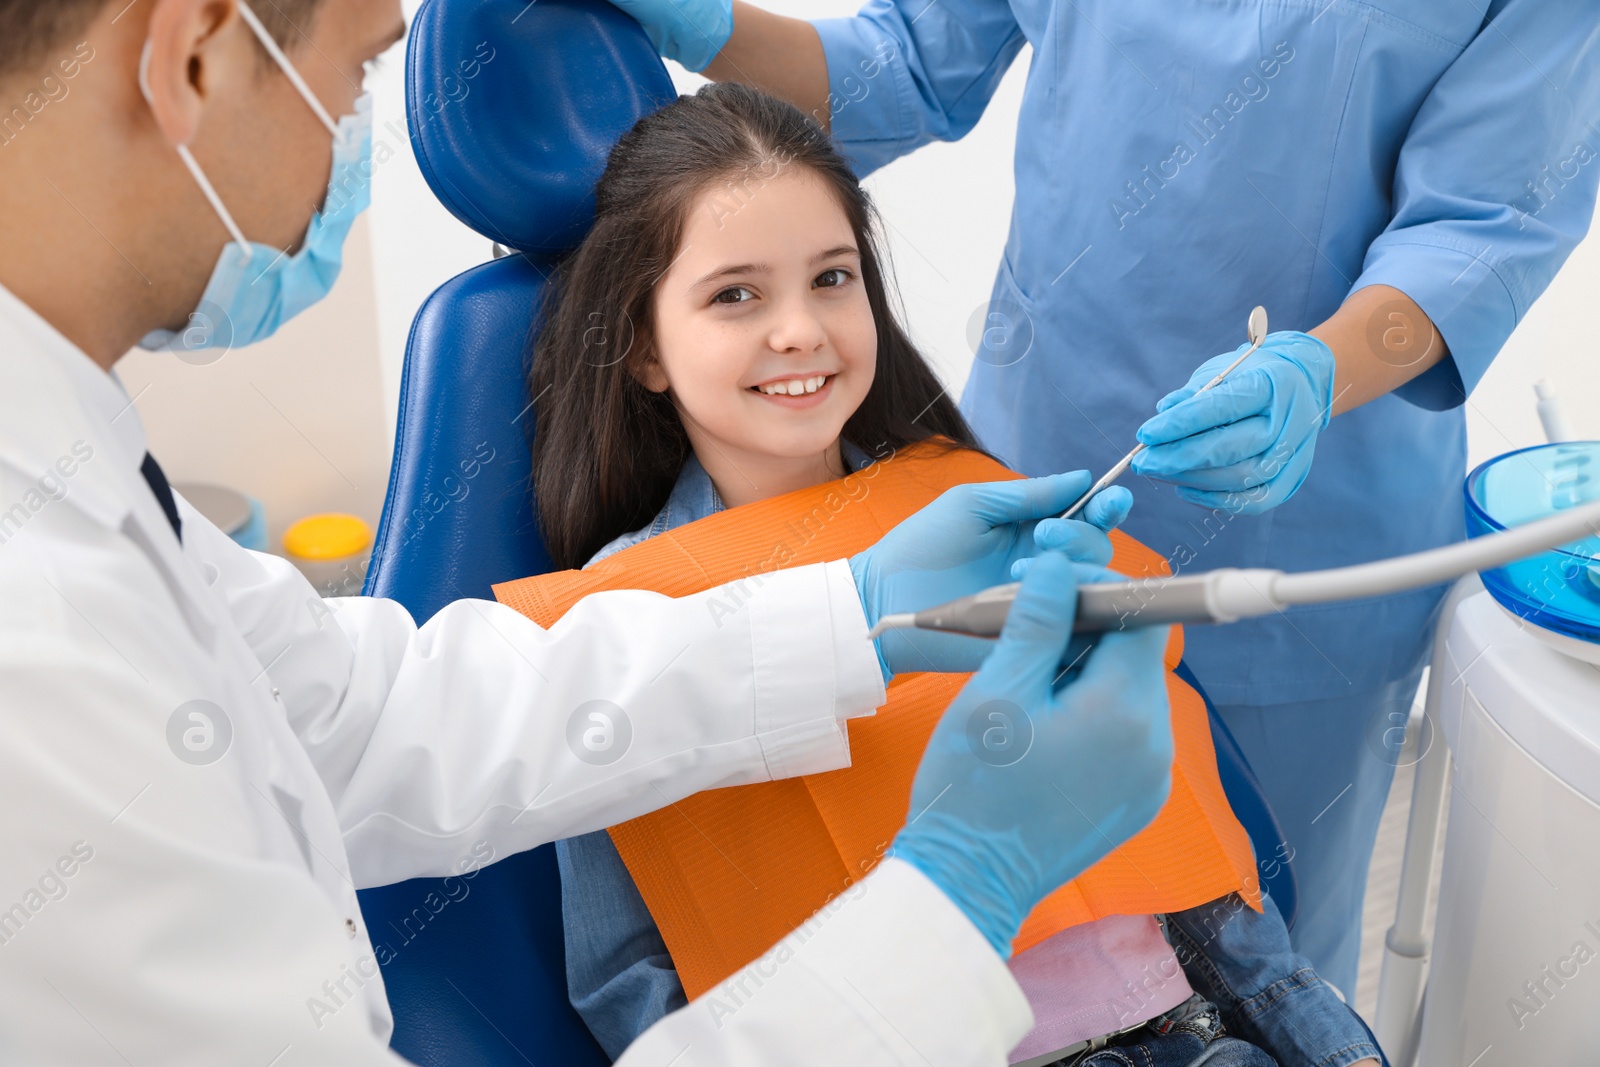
[{"x": 607, "y": 450}]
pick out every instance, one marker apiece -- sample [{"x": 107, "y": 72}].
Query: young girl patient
[{"x": 724, "y": 337}]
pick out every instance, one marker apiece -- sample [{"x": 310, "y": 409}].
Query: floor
[{"x": 1383, "y": 879}]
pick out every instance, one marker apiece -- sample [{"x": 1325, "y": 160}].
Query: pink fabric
[{"x": 1094, "y": 979}]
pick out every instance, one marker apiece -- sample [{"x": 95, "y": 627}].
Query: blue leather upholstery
[
  {"x": 513, "y": 109},
  {"x": 462, "y": 465}
]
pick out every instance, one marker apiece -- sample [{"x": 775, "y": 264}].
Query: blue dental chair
[{"x": 513, "y": 108}]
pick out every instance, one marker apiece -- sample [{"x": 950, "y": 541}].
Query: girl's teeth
[{"x": 795, "y": 386}]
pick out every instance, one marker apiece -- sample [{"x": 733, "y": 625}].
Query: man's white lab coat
[{"x": 201, "y": 761}]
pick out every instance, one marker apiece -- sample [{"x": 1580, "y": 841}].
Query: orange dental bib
[{"x": 729, "y": 872}]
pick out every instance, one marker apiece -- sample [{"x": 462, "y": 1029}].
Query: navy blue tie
[{"x": 158, "y": 485}]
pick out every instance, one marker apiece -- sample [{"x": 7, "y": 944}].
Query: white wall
[
  {"x": 306, "y": 421},
  {"x": 417, "y": 244},
  {"x": 1556, "y": 341}
]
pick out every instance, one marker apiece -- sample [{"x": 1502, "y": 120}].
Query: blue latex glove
[
  {"x": 969, "y": 539},
  {"x": 1027, "y": 782},
  {"x": 1246, "y": 445},
  {"x": 689, "y": 31}
]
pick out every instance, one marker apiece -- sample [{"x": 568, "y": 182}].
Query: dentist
[{"x": 201, "y": 761}]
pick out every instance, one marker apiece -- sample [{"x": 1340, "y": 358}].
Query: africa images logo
[
  {"x": 199, "y": 732},
  {"x": 599, "y": 732}
]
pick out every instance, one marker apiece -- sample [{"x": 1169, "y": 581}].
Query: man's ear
[{"x": 177, "y": 69}]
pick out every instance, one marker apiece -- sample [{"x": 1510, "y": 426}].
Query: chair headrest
[{"x": 514, "y": 107}]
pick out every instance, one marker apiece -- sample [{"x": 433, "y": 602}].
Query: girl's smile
[
  {"x": 796, "y": 391},
  {"x": 764, "y": 336}
]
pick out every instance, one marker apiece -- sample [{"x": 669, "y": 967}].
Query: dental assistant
[
  {"x": 1399, "y": 179},
  {"x": 201, "y": 760}
]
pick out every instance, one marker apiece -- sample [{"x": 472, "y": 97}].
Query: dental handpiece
[
  {"x": 1256, "y": 331},
  {"x": 1230, "y": 594}
]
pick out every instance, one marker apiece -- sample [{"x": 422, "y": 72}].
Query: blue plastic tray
[{"x": 1560, "y": 589}]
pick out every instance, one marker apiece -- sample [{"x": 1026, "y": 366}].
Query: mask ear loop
[
  {"x": 288, "y": 68},
  {"x": 194, "y": 168}
]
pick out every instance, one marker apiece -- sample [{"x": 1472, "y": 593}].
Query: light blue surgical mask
[{"x": 254, "y": 288}]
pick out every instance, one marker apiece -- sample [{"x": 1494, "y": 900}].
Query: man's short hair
[{"x": 31, "y": 29}]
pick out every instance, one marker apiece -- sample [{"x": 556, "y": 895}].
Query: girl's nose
[{"x": 797, "y": 328}]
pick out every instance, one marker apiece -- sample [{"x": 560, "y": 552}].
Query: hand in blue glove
[
  {"x": 1027, "y": 782},
  {"x": 969, "y": 539},
  {"x": 1246, "y": 445},
  {"x": 689, "y": 31}
]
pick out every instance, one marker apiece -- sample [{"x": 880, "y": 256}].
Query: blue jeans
[
  {"x": 1187, "y": 1036},
  {"x": 1269, "y": 996}
]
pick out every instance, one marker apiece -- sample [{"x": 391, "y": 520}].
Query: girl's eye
[
  {"x": 718, "y": 299},
  {"x": 843, "y": 276}
]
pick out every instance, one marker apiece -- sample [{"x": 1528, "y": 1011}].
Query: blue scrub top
[{"x": 1178, "y": 163}]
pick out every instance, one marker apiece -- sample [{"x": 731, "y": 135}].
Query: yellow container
[{"x": 332, "y": 551}]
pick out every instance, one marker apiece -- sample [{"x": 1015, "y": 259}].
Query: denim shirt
[
  {"x": 621, "y": 979},
  {"x": 694, "y": 497}
]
